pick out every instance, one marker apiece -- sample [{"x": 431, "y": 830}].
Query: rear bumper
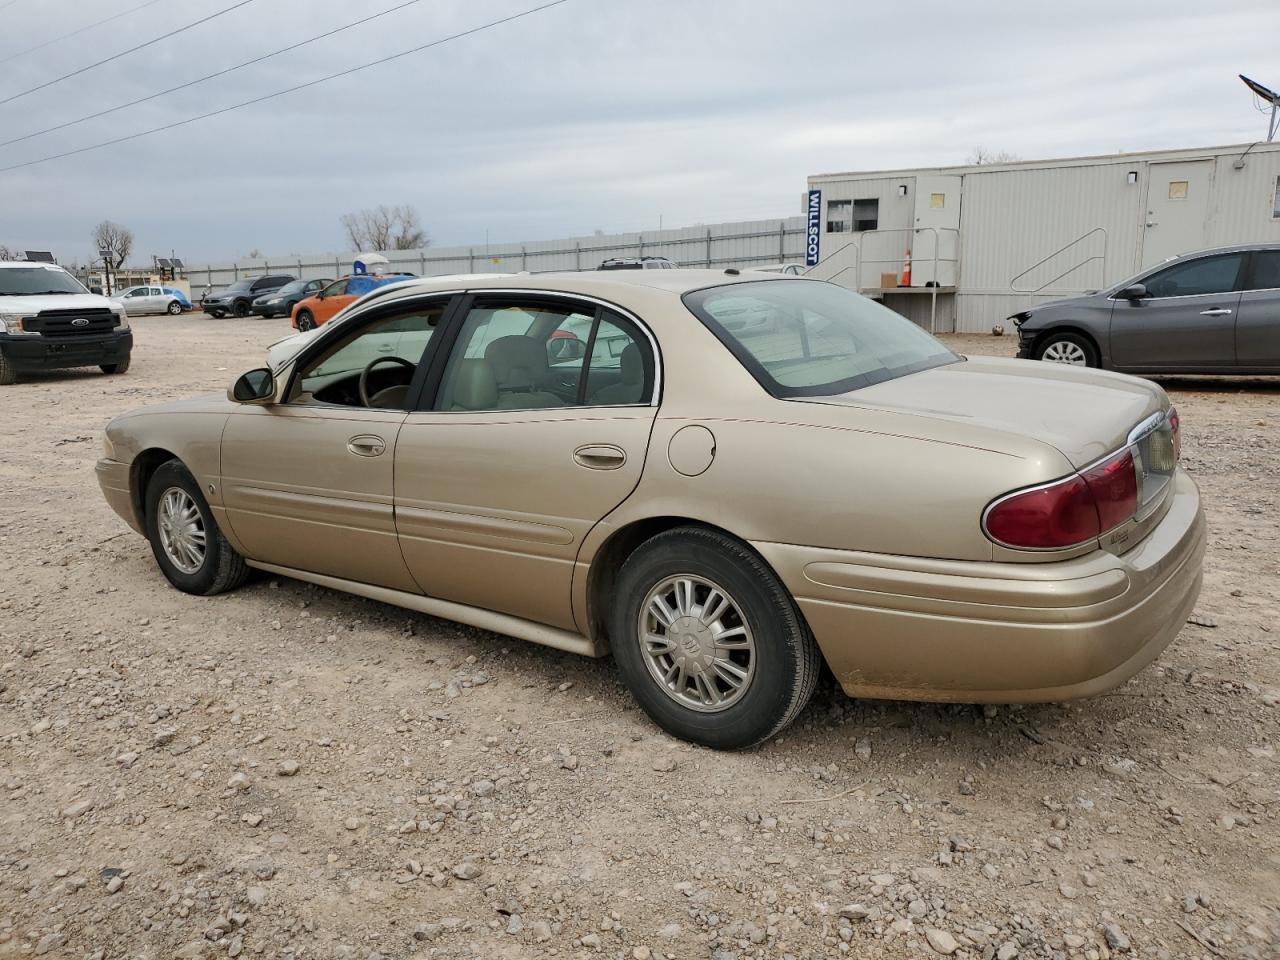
[
  {"x": 919, "y": 629},
  {"x": 52, "y": 353},
  {"x": 113, "y": 478}
]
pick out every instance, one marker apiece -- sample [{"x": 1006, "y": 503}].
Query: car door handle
[
  {"x": 1216, "y": 312},
  {"x": 366, "y": 445},
  {"x": 600, "y": 456}
]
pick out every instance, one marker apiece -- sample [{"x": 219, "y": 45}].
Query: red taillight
[
  {"x": 1058, "y": 515},
  {"x": 1114, "y": 485},
  {"x": 1072, "y": 511},
  {"x": 1176, "y": 426}
]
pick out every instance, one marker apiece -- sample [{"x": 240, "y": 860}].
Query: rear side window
[
  {"x": 1264, "y": 271},
  {"x": 1197, "y": 277},
  {"x": 803, "y": 338}
]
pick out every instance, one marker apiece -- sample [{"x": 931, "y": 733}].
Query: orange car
[{"x": 317, "y": 310}]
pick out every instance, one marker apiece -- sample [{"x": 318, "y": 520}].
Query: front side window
[
  {"x": 535, "y": 354},
  {"x": 1194, "y": 278},
  {"x": 335, "y": 289},
  {"x": 385, "y": 353},
  {"x": 801, "y": 338}
]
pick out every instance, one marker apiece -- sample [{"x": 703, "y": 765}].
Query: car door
[
  {"x": 330, "y": 300},
  {"x": 307, "y": 482},
  {"x": 520, "y": 451},
  {"x": 157, "y": 302},
  {"x": 135, "y": 301},
  {"x": 1258, "y": 318},
  {"x": 1187, "y": 320}
]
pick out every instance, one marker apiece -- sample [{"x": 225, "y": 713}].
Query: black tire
[
  {"x": 8, "y": 375},
  {"x": 306, "y": 321},
  {"x": 222, "y": 568},
  {"x": 217, "y": 314},
  {"x": 786, "y": 659},
  {"x": 174, "y": 307},
  {"x": 115, "y": 368},
  {"x": 1070, "y": 342},
  {"x": 241, "y": 308}
]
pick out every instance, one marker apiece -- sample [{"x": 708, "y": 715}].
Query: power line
[
  {"x": 301, "y": 86},
  {"x": 73, "y": 33},
  {"x": 125, "y": 53},
  {"x": 210, "y": 76}
]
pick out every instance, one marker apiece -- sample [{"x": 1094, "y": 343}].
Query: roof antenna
[{"x": 1267, "y": 101}]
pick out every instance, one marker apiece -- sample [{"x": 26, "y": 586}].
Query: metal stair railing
[{"x": 1013, "y": 284}]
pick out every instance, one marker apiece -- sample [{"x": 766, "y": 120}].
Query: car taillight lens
[
  {"x": 1175, "y": 424},
  {"x": 1072, "y": 511}
]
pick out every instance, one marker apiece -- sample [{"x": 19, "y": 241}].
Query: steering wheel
[{"x": 364, "y": 374}]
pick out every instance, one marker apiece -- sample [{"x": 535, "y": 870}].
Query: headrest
[
  {"x": 517, "y": 360},
  {"x": 474, "y": 386},
  {"x": 631, "y": 364}
]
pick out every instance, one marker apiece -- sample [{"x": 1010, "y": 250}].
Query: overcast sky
[{"x": 595, "y": 114}]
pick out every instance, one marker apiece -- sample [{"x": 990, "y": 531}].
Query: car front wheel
[
  {"x": 191, "y": 551},
  {"x": 1070, "y": 348},
  {"x": 709, "y": 641},
  {"x": 306, "y": 321}
]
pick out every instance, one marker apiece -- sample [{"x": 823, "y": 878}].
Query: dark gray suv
[{"x": 1213, "y": 311}]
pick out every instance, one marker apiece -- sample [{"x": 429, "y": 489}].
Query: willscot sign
[{"x": 814, "y": 232}]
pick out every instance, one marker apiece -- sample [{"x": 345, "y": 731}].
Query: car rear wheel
[
  {"x": 174, "y": 307},
  {"x": 709, "y": 641},
  {"x": 114, "y": 368},
  {"x": 306, "y": 321},
  {"x": 189, "y": 548},
  {"x": 8, "y": 375},
  {"x": 1070, "y": 348},
  {"x": 241, "y": 308}
]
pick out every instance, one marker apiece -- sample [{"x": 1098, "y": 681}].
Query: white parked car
[{"x": 150, "y": 299}]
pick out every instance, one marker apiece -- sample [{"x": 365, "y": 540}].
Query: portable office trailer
[{"x": 987, "y": 241}]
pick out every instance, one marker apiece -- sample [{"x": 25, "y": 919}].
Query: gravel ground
[{"x": 287, "y": 772}]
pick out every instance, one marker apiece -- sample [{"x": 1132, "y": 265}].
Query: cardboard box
[{"x": 888, "y": 281}]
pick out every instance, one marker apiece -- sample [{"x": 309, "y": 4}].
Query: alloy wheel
[
  {"x": 696, "y": 644},
  {"x": 1064, "y": 351},
  {"x": 181, "y": 527}
]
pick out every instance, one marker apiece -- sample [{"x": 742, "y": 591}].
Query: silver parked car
[
  {"x": 152, "y": 299},
  {"x": 1214, "y": 311}
]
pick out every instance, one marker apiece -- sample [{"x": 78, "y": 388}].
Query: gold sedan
[{"x": 723, "y": 479}]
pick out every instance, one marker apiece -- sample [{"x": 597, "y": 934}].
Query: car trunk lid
[{"x": 1084, "y": 414}]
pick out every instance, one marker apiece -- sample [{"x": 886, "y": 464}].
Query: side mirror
[
  {"x": 1135, "y": 291},
  {"x": 256, "y": 386}
]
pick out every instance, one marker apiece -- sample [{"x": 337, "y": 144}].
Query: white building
[{"x": 987, "y": 241}]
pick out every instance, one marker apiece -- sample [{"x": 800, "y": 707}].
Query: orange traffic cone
[{"x": 906, "y": 271}]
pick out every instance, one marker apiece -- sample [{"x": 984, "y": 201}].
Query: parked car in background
[
  {"x": 1214, "y": 311},
  {"x": 432, "y": 447},
  {"x": 318, "y": 309},
  {"x": 238, "y": 298},
  {"x": 281, "y": 302},
  {"x": 152, "y": 299},
  {"x": 637, "y": 263},
  {"x": 786, "y": 269},
  {"x": 48, "y": 320}
]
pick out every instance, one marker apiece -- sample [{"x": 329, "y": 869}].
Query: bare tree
[
  {"x": 254, "y": 254},
  {"x": 384, "y": 228},
  {"x": 115, "y": 239},
  {"x": 981, "y": 156}
]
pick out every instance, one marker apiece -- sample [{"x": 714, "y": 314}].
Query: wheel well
[
  {"x": 603, "y": 576},
  {"x": 141, "y": 470},
  {"x": 1068, "y": 328}
]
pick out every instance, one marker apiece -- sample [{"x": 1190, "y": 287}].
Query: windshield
[
  {"x": 294, "y": 286},
  {"x": 29, "y": 281},
  {"x": 239, "y": 286},
  {"x": 805, "y": 338}
]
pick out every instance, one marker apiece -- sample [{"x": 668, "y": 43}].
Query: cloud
[{"x": 595, "y": 114}]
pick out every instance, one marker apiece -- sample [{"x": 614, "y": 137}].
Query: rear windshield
[
  {"x": 806, "y": 338},
  {"x": 29, "y": 281}
]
